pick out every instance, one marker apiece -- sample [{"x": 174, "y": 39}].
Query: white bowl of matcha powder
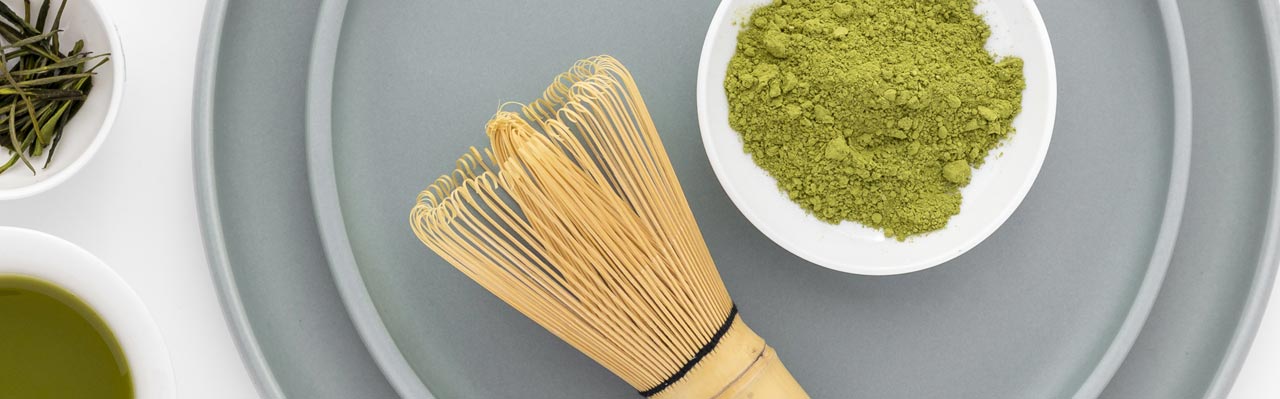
[{"x": 877, "y": 137}]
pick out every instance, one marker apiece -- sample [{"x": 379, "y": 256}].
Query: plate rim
[
  {"x": 1166, "y": 240},
  {"x": 326, "y": 203},
  {"x": 210, "y": 215},
  {"x": 377, "y": 338},
  {"x": 1264, "y": 277}
]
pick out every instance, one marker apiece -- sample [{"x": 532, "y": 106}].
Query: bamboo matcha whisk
[{"x": 576, "y": 219}]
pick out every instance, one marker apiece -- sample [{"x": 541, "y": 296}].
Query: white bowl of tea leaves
[{"x": 60, "y": 88}]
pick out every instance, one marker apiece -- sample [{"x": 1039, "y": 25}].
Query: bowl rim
[
  {"x": 117, "y": 65},
  {"x": 723, "y": 11}
]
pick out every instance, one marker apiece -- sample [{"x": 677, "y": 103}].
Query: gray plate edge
[
  {"x": 1237, "y": 351},
  {"x": 1265, "y": 276},
  {"x": 1179, "y": 176},
  {"x": 333, "y": 230},
  {"x": 397, "y": 369},
  {"x": 206, "y": 193}
]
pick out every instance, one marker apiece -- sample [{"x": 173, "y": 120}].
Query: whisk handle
[
  {"x": 741, "y": 366},
  {"x": 766, "y": 378}
]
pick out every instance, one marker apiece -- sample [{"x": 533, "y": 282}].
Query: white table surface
[{"x": 134, "y": 207}]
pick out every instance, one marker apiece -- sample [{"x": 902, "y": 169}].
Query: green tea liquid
[{"x": 53, "y": 346}]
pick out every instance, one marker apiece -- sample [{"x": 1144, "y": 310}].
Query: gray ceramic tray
[{"x": 1047, "y": 307}]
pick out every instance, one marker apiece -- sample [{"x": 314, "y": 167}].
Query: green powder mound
[{"x": 873, "y": 111}]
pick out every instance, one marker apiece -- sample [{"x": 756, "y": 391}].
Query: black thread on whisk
[{"x": 706, "y": 349}]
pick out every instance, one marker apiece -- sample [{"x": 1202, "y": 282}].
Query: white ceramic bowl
[
  {"x": 52, "y": 259},
  {"x": 82, "y": 19},
  {"x": 995, "y": 191}
]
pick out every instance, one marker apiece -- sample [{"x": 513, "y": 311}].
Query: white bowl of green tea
[
  {"x": 79, "y": 136},
  {"x": 879, "y": 124},
  {"x": 72, "y": 327}
]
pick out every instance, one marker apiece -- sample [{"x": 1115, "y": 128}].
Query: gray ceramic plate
[{"x": 1047, "y": 307}]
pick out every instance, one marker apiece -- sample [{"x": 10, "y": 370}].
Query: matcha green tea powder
[{"x": 873, "y": 111}]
